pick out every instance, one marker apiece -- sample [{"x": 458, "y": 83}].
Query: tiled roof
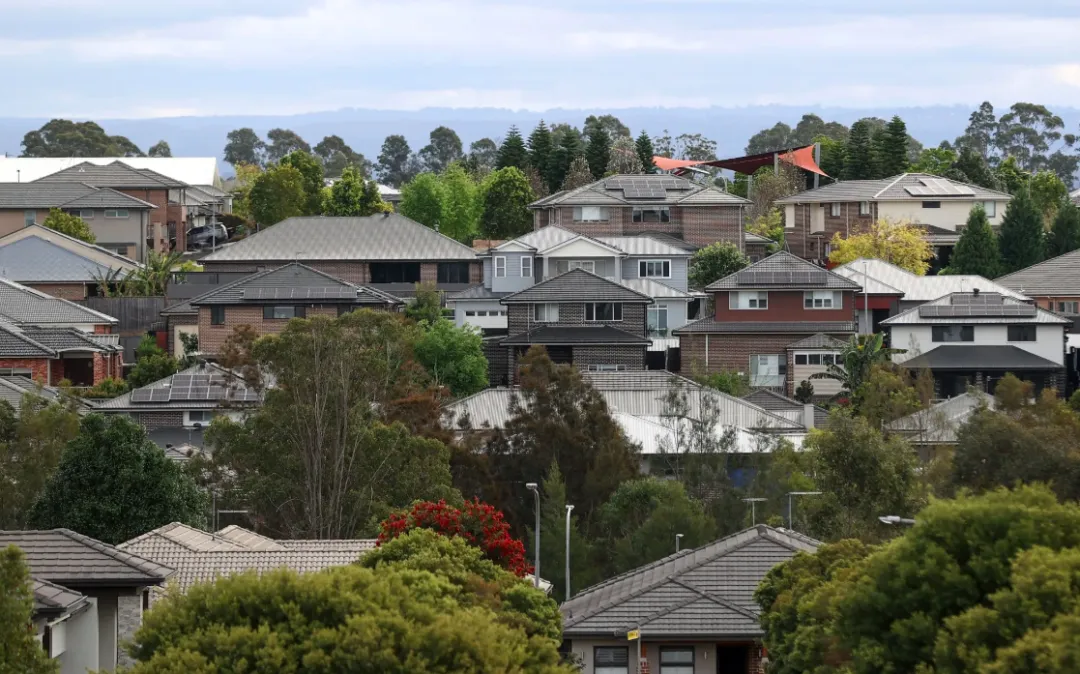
[
  {"x": 39, "y": 255},
  {"x": 238, "y": 394},
  {"x": 577, "y": 285},
  {"x": 377, "y": 237},
  {"x": 917, "y": 288},
  {"x": 14, "y": 344},
  {"x": 818, "y": 341},
  {"x": 550, "y": 336},
  {"x": 980, "y": 357},
  {"x": 703, "y": 593},
  {"x": 295, "y": 278},
  {"x": 68, "y": 339},
  {"x": 921, "y": 315},
  {"x": 53, "y": 598},
  {"x": 476, "y": 292},
  {"x": 64, "y": 195},
  {"x": 188, "y": 170},
  {"x": 783, "y": 270},
  {"x": 179, "y": 308},
  {"x": 1058, "y": 277},
  {"x": 887, "y": 189},
  {"x": 71, "y": 559},
  {"x": 939, "y": 423},
  {"x": 610, "y": 191},
  {"x": 116, "y": 174},
  {"x": 22, "y": 305},
  {"x": 711, "y": 325}
]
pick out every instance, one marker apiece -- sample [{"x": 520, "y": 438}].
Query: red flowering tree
[{"x": 479, "y": 523}]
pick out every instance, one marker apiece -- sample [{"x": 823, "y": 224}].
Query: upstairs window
[
  {"x": 822, "y": 299},
  {"x": 603, "y": 311},
  {"x": 217, "y": 315},
  {"x": 834, "y": 210},
  {"x": 991, "y": 208},
  {"x": 677, "y": 660},
  {"x": 86, "y": 214},
  {"x": 116, "y": 214},
  {"x": 656, "y": 214},
  {"x": 500, "y": 266},
  {"x": 563, "y": 266},
  {"x": 526, "y": 267},
  {"x": 29, "y": 218},
  {"x": 1021, "y": 333},
  {"x": 1068, "y": 307},
  {"x": 952, "y": 333},
  {"x": 654, "y": 268},
  {"x": 611, "y": 660},
  {"x": 453, "y": 272},
  {"x": 931, "y": 204},
  {"x": 592, "y": 213},
  {"x": 395, "y": 272},
  {"x": 545, "y": 313},
  {"x": 748, "y": 300},
  {"x": 283, "y": 312}
]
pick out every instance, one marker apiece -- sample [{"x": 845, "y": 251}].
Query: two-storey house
[
  {"x": 594, "y": 323},
  {"x": 976, "y": 338},
  {"x": 770, "y": 319},
  {"x": 634, "y": 204},
  {"x": 1053, "y": 284},
  {"x": 940, "y": 205}
]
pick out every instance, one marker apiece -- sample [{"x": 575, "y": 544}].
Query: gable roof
[
  {"x": 903, "y": 187},
  {"x": 387, "y": 236},
  {"x": 14, "y": 387},
  {"x": 553, "y": 236},
  {"x": 782, "y": 270},
  {"x": 577, "y": 285},
  {"x": 706, "y": 592},
  {"x": 73, "y": 560},
  {"x": 26, "y": 306},
  {"x": 1058, "y": 277},
  {"x": 187, "y": 170},
  {"x": 53, "y": 599},
  {"x": 293, "y": 281},
  {"x": 641, "y": 190},
  {"x": 114, "y": 174},
  {"x": 38, "y": 255},
  {"x": 65, "y": 195},
  {"x": 787, "y": 407},
  {"x": 975, "y": 308},
  {"x": 939, "y": 423},
  {"x": 913, "y": 287}
]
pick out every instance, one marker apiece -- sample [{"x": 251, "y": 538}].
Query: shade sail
[{"x": 802, "y": 157}]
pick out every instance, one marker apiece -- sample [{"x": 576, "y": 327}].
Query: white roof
[
  {"x": 939, "y": 423},
  {"x": 920, "y": 288},
  {"x": 190, "y": 170},
  {"x": 655, "y": 433}
]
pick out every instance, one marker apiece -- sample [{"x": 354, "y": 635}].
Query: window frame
[
  {"x": 677, "y": 667},
  {"x": 270, "y": 312},
  {"x": 605, "y": 367},
  {"x": 931, "y": 204},
  {"x": 116, "y": 214},
  {"x": 83, "y": 213},
  {"x": 453, "y": 269},
  {"x": 616, "y": 312},
  {"x": 1024, "y": 331},
  {"x": 657, "y": 309},
  {"x": 965, "y": 330},
  {"x": 400, "y": 267},
  {"x": 217, "y": 314},
  {"x": 496, "y": 268},
  {"x": 736, "y": 295},
  {"x": 607, "y": 668},
  {"x": 781, "y": 369},
  {"x": 811, "y": 297},
  {"x": 587, "y": 265},
  {"x": 990, "y": 207},
  {"x": 663, "y": 214},
  {"x": 665, "y": 268},
  {"x": 603, "y": 214},
  {"x": 835, "y": 209},
  {"x": 547, "y": 313},
  {"x": 864, "y": 208},
  {"x": 529, "y": 259},
  {"x": 1064, "y": 307},
  {"x": 29, "y": 217}
]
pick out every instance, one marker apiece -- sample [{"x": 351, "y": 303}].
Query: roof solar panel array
[
  {"x": 980, "y": 299},
  {"x": 977, "y": 310},
  {"x": 300, "y": 293},
  {"x": 781, "y": 277},
  {"x": 938, "y": 187},
  {"x": 197, "y": 387}
]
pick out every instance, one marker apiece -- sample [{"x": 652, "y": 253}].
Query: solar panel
[
  {"x": 977, "y": 311},
  {"x": 300, "y": 293},
  {"x": 141, "y": 395},
  {"x": 938, "y": 187},
  {"x": 159, "y": 395},
  {"x": 782, "y": 277},
  {"x": 981, "y": 298}
]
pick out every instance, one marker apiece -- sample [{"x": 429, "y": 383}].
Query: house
[
  {"x": 693, "y": 611},
  {"x": 177, "y": 409},
  {"x": 57, "y": 264},
  {"x": 115, "y": 585},
  {"x": 120, "y": 222},
  {"x": 938, "y": 425},
  {"x": 627, "y": 205},
  {"x": 807, "y": 414},
  {"x": 768, "y": 319},
  {"x": 976, "y": 338},
  {"x": 50, "y": 339},
  {"x": 1074, "y": 196},
  {"x": 268, "y": 299},
  {"x": 15, "y": 388},
  {"x": 387, "y": 252},
  {"x": 941, "y": 205},
  {"x": 889, "y": 290},
  {"x": 199, "y": 171},
  {"x": 1053, "y": 284}
]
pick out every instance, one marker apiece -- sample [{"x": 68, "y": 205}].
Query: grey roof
[
  {"x": 234, "y": 394},
  {"x": 619, "y": 190},
  {"x": 19, "y": 304},
  {"x": 293, "y": 281},
  {"x": 703, "y": 593},
  {"x": 894, "y": 188},
  {"x": 671, "y": 240},
  {"x": 51, "y": 598},
  {"x": 644, "y": 246},
  {"x": 757, "y": 238},
  {"x": 939, "y": 423},
  {"x": 116, "y": 174},
  {"x": 476, "y": 292},
  {"x": 818, "y": 341},
  {"x": 179, "y": 308},
  {"x": 914, "y": 288},
  {"x": 67, "y": 339},
  {"x": 38, "y": 258},
  {"x": 782, "y": 270},
  {"x": 572, "y": 335},
  {"x": 711, "y": 325},
  {"x": 64, "y": 195},
  {"x": 789, "y": 408},
  {"x": 980, "y": 357},
  {"x": 577, "y": 285},
  {"x": 1057, "y": 277},
  {"x": 377, "y": 237},
  {"x": 956, "y": 308},
  {"x": 71, "y": 559},
  {"x": 14, "y": 344},
  {"x": 14, "y": 387},
  {"x": 656, "y": 289}
]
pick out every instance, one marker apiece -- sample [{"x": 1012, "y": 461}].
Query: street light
[
  {"x": 753, "y": 508},
  {"x": 678, "y": 540},
  {"x": 535, "y": 489},
  {"x": 568, "y": 509},
  {"x": 791, "y": 522},
  {"x": 895, "y": 519}
]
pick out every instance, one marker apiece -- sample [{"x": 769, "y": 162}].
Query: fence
[{"x": 135, "y": 315}]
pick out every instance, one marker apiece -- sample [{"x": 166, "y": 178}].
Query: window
[
  {"x": 554, "y": 219},
  {"x": 591, "y": 213},
  {"x": 611, "y": 660},
  {"x": 931, "y": 204},
  {"x": 217, "y": 315},
  {"x": 657, "y": 214},
  {"x": 16, "y": 372},
  {"x": 864, "y": 208},
  {"x": 657, "y": 320},
  {"x": 500, "y": 266},
  {"x": 825, "y": 359},
  {"x": 953, "y": 333},
  {"x": 834, "y": 210},
  {"x": 116, "y": 214},
  {"x": 768, "y": 370},
  {"x": 822, "y": 299},
  {"x": 453, "y": 272},
  {"x": 693, "y": 310},
  {"x": 991, "y": 208},
  {"x": 86, "y": 215},
  {"x": 677, "y": 660},
  {"x": 605, "y": 367},
  {"x": 603, "y": 311},
  {"x": 545, "y": 313},
  {"x": 1068, "y": 307},
  {"x": 654, "y": 268},
  {"x": 526, "y": 267},
  {"x": 1021, "y": 333},
  {"x": 284, "y": 311},
  {"x": 563, "y": 266},
  {"x": 29, "y": 218},
  {"x": 395, "y": 272},
  {"x": 748, "y": 300},
  {"x": 200, "y": 416}
]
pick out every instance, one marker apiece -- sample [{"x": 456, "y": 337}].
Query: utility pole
[
  {"x": 790, "y": 494},
  {"x": 569, "y": 508},
  {"x": 535, "y": 489}
]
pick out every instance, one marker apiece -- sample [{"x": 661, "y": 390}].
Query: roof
[
  {"x": 386, "y": 236},
  {"x": 14, "y": 344},
  {"x": 476, "y": 292},
  {"x": 187, "y": 170},
  {"x": 64, "y": 195},
  {"x": 939, "y": 423},
  {"x": 37, "y": 254},
  {"x": 787, "y": 407},
  {"x": 711, "y": 325},
  {"x": 903, "y": 187},
  {"x": 601, "y": 334},
  {"x": 782, "y": 270},
  {"x": 975, "y": 308},
  {"x": 52, "y": 598},
  {"x": 644, "y": 246},
  {"x": 14, "y": 387},
  {"x": 656, "y": 289},
  {"x": 577, "y": 285},
  {"x": 641, "y": 190},
  {"x": 706, "y": 592},
  {"x": 71, "y": 559},
  {"x": 913, "y": 287},
  {"x": 22, "y": 305},
  {"x": 293, "y": 281},
  {"x": 1058, "y": 277},
  {"x": 818, "y": 341},
  {"x": 115, "y": 174},
  {"x": 980, "y": 357},
  {"x": 204, "y": 386},
  {"x": 69, "y": 339}
]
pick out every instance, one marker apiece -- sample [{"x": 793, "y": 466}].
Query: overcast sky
[{"x": 152, "y": 58}]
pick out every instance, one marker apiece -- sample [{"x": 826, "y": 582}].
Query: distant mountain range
[{"x": 365, "y": 129}]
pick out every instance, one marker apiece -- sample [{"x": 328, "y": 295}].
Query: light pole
[
  {"x": 753, "y": 508},
  {"x": 678, "y": 540},
  {"x": 568, "y": 509},
  {"x": 791, "y": 522},
  {"x": 534, "y": 488},
  {"x": 895, "y": 519}
]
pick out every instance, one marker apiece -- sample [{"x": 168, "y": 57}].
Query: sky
[{"x": 163, "y": 58}]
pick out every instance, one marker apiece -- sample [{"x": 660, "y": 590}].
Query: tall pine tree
[
  {"x": 512, "y": 152},
  {"x": 1021, "y": 233},
  {"x": 540, "y": 150},
  {"x": 598, "y": 151},
  {"x": 1064, "y": 236},
  {"x": 977, "y": 250},
  {"x": 645, "y": 151},
  {"x": 860, "y": 164},
  {"x": 569, "y": 149},
  {"x": 894, "y": 148}
]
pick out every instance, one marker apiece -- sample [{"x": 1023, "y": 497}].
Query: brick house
[
  {"x": 765, "y": 315},
  {"x": 1053, "y": 284},
  {"x": 580, "y": 318},
  {"x": 628, "y": 205},
  {"x": 267, "y": 300},
  {"x": 57, "y": 264}
]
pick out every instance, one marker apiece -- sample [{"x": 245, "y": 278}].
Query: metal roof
[
  {"x": 895, "y": 188},
  {"x": 386, "y": 236},
  {"x": 818, "y": 341},
  {"x": 187, "y": 170},
  {"x": 573, "y": 335},
  {"x": 641, "y": 190},
  {"x": 476, "y": 292},
  {"x": 935, "y": 313},
  {"x": 37, "y": 254},
  {"x": 939, "y": 423},
  {"x": 26, "y": 306},
  {"x": 115, "y": 174},
  {"x": 656, "y": 289},
  {"x": 639, "y": 246},
  {"x": 292, "y": 282},
  {"x": 1057, "y": 277},
  {"x": 14, "y": 387},
  {"x": 787, "y": 407},
  {"x": 577, "y": 285},
  {"x": 71, "y": 559},
  {"x": 64, "y": 195},
  {"x": 918, "y": 288},
  {"x": 711, "y": 325},
  {"x": 980, "y": 357},
  {"x": 782, "y": 270}
]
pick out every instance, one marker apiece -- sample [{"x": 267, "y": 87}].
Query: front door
[{"x": 732, "y": 659}]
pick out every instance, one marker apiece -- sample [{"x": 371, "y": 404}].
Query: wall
[
  {"x": 699, "y": 225},
  {"x": 951, "y": 213},
  {"x": 918, "y": 339},
  {"x": 82, "y": 641},
  {"x": 513, "y": 281},
  {"x": 155, "y": 420},
  {"x": 353, "y": 271},
  {"x": 107, "y": 643},
  {"x": 108, "y": 231},
  {"x": 489, "y": 322},
  {"x": 38, "y": 366},
  {"x": 676, "y": 313},
  {"x": 822, "y": 387},
  {"x": 157, "y": 221},
  {"x": 705, "y": 654},
  {"x": 633, "y": 357},
  {"x": 573, "y": 314},
  {"x": 129, "y": 619},
  {"x": 679, "y": 268},
  {"x": 176, "y": 346},
  {"x": 785, "y": 306},
  {"x": 65, "y": 291},
  {"x": 212, "y": 337},
  {"x": 810, "y": 246},
  {"x": 602, "y": 266}
]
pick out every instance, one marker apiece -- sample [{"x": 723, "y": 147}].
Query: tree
[
  {"x": 1009, "y": 174},
  {"x": 67, "y": 223},
  {"x": 541, "y": 151},
  {"x": 860, "y": 162},
  {"x": 113, "y": 483},
  {"x": 645, "y": 151},
  {"x": 506, "y": 198},
  {"x": 624, "y": 157},
  {"x": 63, "y": 138},
  {"x": 900, "y": 242},
  {"x": 778, "y": 137},
  {"x": 284, "y": 142},
  {"x": 278, "y": 194},
  {"x": 578, "y": 175},
  {"x": 245, "y": 178},
  {"x": 393, "y": 166},
  {"x": 462, "y": 205},
  {"x": 583, "y": 572},
  {"x": 971, "y": 167},
  {"x": 894, "y": 150},
  {"x": 805, "y": 392},
  {"x": 245, "y": 147},
  {"x": 336, "y": 156},
  {"x": 1064, "y": 235},
  {"x": 609, "y": 124},
  {"x": 977, "y": 250},
  {"x": 714, "y": 262},
  {"x": 159, "y": 149},
  {"x": 20, "y": 651},
  {"x": 694, "y": 146},
  {"x": 483, "y": 155},
  {"x": 833, "y": 156},
  {"x": 860, "y": 355},
  {"x": 443, "y": 150},
  {"x": 567, "y": 149},
  {"x": 980, "y": 132},
  {"x": 512, "y": 152},
  {"x": 597, "y": 150},
  {"x": 1028, "y": 132},
  {"x": 1048, "y": 192},
  {"x": 422, "y": 199},
  {"x": 454, "y": 357},
  {"x": 352, "y": 196},
  {"x": 426, "y": 307},
  {"x": 311, "y": 169},
  {"x": 152, "y": 364},
  {"x": 936, "y": 161},
  {"x": 1021, "y": 233}
]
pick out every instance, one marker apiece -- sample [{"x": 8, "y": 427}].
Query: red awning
[{"x": 803, "y": 157}]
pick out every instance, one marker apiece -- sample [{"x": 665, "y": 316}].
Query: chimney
[
  {"x": 808, "y": 415},
  {"x": 975, "y": 292}
]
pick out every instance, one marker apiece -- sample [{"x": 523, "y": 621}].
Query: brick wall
[
  {"x": 65, "y": 291},
  {"x": 212, "y": 337},
  {"x": 812, "y": 246},
  {"x": 38, "y": 366},
  {"x": 429, "y": 272},
  {"x": 129, "y": 617},
  {"x": 346, "y": 270},
  {"x": 110, "y": 365},
  {"x": 756, "y": 251},
  {"x": 159, "y": 216},
  {"x": 784, "y": 307},
  {"x": 171, "y": 322},
  {"x": 519, "y": 318},
  {"x": 700, "y": 225},
  {"x": 732, "y": 352},
  {"x": 154, "y": 420},
  {"x": 633, "y": 357}
]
